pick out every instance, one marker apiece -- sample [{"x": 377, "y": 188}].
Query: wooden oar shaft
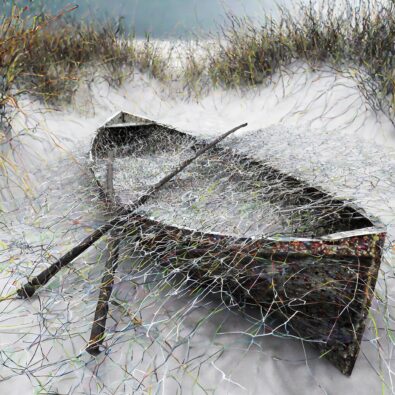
[
  {"x": 99, "y": 321},
  {"x": 41, "y": 279},
  {"x": 182, "y": 166},
  {"x": 29, "y": 289}
]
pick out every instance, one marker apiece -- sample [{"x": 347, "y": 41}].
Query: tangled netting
[
  {"x": 219, "y": 192},
  {"x": 207, "y": 268}
]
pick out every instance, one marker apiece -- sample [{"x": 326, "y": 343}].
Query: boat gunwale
[{"x": 377, "y": 228}]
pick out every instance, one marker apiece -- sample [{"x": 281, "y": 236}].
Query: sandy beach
[{"x": 313, "y": 124}]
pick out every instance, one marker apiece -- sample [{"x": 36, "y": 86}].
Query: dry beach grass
[{"x": 46, "y": 55}]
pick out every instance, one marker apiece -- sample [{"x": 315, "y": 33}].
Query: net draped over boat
[{"x": 217, "y": 193}]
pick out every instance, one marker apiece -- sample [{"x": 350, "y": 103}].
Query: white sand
[{"x": 331, "y": 138}]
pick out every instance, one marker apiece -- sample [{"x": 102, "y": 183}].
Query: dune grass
[
  {"x": 47, "y": 55},
  {"x": 352, "y": 38}
]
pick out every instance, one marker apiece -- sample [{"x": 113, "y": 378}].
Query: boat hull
[{"x": 317, "y": 289}]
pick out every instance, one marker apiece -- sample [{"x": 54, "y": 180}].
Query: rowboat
[{"x": 246, "y": 231}]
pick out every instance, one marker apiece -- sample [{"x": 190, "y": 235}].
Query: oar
[
  {"x": 99, "y": 321},
  {"x": 41, "y": 279}
]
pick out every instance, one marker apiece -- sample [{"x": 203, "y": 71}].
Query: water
[{"x": 167, "y": 18}]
